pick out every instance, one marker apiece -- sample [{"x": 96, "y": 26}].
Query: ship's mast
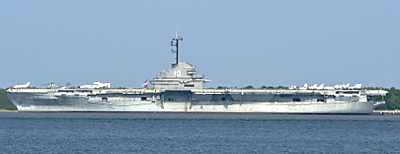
[{"x": 175, "y": 42}]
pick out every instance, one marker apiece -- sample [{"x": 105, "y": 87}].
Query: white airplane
[
  {"x": 22, "y": 86},
  {"x": 96, "y": 85}
]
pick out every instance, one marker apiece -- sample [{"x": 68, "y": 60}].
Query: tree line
[{"x": 4, "y": 102}]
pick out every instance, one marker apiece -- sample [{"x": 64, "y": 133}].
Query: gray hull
[{"x": 193, "y": 103}]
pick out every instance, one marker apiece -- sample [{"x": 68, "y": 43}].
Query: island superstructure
[{"x": 180, "y": 90}]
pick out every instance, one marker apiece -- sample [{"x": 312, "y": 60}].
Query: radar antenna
[{"x": 175, "y": 42}]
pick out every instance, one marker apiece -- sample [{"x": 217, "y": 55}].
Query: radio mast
[{"x": 175, "y": 42}]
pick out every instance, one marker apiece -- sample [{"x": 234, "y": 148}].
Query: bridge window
[
  {"x": 189, "y": 85},
  {"x": 144, "y": 98},
  {"x": 320, "y": 100},
  {"x": 104, "y": 99}
]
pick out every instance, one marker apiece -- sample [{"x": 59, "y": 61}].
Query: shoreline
[
  {"x": 385, "y": 112},
  {"x": 375, "y": 112},
  {"x": 8, "y": 111}
]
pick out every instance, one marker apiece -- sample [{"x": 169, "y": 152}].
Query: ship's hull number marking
[{"x": 177, "y": 73}]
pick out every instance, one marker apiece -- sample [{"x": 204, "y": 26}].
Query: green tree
[
  {"x": 392, "y": 99},
  {"x": 248, "y": 87},
  {"x": 282, "y": 87},
  {"x": 4, "y": 102},
  {"x": 222, "y": 87}
]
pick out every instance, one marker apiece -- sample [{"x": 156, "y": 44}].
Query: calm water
[{"x": 191, "y": 133}]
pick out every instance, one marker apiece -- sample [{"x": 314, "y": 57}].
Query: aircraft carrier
[{"x": 180, "y": 90}]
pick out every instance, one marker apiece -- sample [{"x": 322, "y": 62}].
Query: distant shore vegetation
[
  {"x": 392, "y": 99},
  {"x": 251, "y": 87},
  {"x": 4, "y": 102}
]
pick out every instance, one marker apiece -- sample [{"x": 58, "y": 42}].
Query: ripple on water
[{"x": 196, "y": 133}]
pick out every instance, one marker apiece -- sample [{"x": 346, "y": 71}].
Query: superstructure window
[
  {"x": 296, "y": 99},
  {"x": 189, "y": 85},
  {"x": 285, "y": 95},
  {"x": 347, "y": 92},
  {"x": 320, "y": 100},
  {"x": 350, "y": 92},
  {"x": 144, "y": 98},
  {"x": 66, "y": 91},
  {"x": 104, "y": 99},
  {"x": 85, "y": 91}
]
